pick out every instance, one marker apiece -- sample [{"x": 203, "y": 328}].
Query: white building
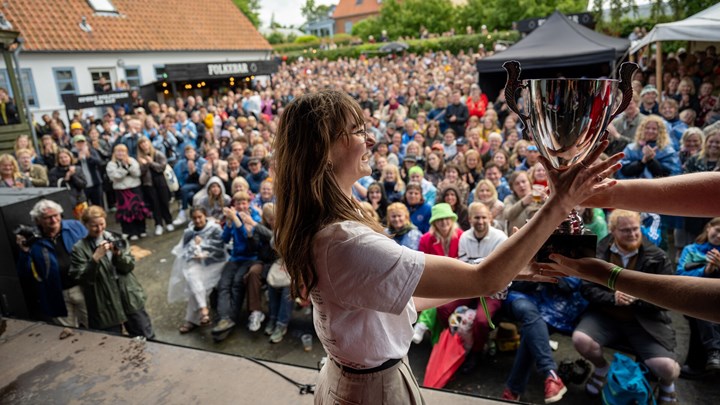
[{"x": 69, "y": 45}]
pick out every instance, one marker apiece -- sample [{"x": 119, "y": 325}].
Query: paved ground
[{"x": 488, "y": 380}]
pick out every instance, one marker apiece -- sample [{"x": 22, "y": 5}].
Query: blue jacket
[
  {"x": 420, "y": 216},
  {"x": 675, "y": 129},
  {"x": 560, "y": 304},
  {"x": 693, "y": 259},
  {"x": 254, "y": 180},
  {"x": 181, "y": 169},
  {"x": 244, "y": 248},
  {"x": 131, "y": 141},
  {"x": 47, "y": 274},
  {"x": 632, "y": 167}
]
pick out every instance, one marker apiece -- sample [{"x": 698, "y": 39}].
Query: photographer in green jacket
[{"x": 103, "y": 265}]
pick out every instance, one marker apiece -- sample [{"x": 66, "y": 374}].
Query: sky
[{"x": 287, "y": 12}]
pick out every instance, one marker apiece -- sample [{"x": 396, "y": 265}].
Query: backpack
[{"x": 626, "y": 383}]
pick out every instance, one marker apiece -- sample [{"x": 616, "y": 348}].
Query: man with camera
[
  {"x": 103, "y": 265},
  {"x": 45, "y": 258}
]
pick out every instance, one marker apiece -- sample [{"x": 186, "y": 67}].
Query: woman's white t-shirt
[{"x": 363, "y": 307}]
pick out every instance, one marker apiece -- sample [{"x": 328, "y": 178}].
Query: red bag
[{"x": 447, "y": 356}]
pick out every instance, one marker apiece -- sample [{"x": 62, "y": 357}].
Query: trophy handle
[
  {"x": 511, "y": 86},
  {"x": 627, "y": 69}
]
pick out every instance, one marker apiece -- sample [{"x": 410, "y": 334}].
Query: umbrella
[
  {"x": 394, "y": 47},
  {"x": 447, "y": 356}
]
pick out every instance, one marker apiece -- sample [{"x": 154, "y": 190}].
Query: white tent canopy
[{"x": 703, "y": 26}]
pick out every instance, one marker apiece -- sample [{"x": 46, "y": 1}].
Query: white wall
[{"x": 42, "y": 65}]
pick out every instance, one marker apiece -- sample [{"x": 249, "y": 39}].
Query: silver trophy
[{"x": 567, "y": 118}]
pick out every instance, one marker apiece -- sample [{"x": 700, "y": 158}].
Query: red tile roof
[
  {"x": 349, "y": 8},
  {"x": 140, "y": 25}
]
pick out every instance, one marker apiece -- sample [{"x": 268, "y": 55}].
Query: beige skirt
[{"x": 395, "y": 385}]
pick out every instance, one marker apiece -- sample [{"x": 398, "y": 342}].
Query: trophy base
[{"x": 573, "y": 246}]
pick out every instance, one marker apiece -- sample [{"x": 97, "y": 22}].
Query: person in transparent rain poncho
[{"x": 199, "y": 258}]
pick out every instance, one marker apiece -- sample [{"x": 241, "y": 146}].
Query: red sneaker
[
  {"x": 554, "y": 389},
  {"x": 508, "y": 395}
]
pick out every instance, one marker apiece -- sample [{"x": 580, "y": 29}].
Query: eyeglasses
[{"x": 362, "y": 132}]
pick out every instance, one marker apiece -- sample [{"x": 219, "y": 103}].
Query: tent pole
[{"x": 658, "y": 66}]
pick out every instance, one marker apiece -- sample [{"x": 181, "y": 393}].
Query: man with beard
[
  {"x": 475, "y": 245},
  {"x": 616, "y": 317}
]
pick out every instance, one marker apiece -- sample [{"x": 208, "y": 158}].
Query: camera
[
  {"x": 30, "y": 234},
  {"x": 117, "y": 240}
]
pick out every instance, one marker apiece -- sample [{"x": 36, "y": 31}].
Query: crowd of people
[{"x": 452, "y": 175}]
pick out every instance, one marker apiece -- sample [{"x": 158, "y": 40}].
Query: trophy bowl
[{"x": 567, "y": 118}]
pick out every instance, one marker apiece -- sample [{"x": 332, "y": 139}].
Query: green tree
[
  {"x": 686, "y": 8},
  {"x": 500, "y": 14},
  {"x": 275, "y": 37},
  {"x": 369, "y": 26},
  {"x": 313, "y": 12},
  {"x": 274, "y": 24},
  {"x": 406, "y": 18},
  {"x": 251, "y": 9}
]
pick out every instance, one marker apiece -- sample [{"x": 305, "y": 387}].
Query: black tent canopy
[{"x": 558, "y": 47}]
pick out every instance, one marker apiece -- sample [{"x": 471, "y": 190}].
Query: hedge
[{"x": 453, "y": 44}]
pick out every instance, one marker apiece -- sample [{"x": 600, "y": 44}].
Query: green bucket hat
[
  {"x": 416, "y": 169},
  {"x": 442, "y": 211}
]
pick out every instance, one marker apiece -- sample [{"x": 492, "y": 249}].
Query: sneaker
[
  {"x": 665, "y": 398},
  {"x": 223, "y": 325},
  {"x": 713, "y": 361},
  {"x": 255, "y": 320},
  {"x": 180, "y": 219},
  {"x": 270, "y": 327},
  {"x": 143, "y": 235},
  {"x": 509, "y": 396},
  {"x": 554, "y": 388},
  {"x": 134, "y": 238},
  {"x": 158, "y": 230},
  {"x": 169, "y": 227},
  {"x": 419, "y": 332},
  {"x": 278, "y": 333}
]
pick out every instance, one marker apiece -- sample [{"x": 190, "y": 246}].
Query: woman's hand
[
  {"x": 531, "y": 272},
  {"x": 648, "y": 153},
  {"x": 587, "y": 268},
  {"x": 102, "y": 250},
  {"x": 229, "y": 213},
  {"x": 713, "y": 262},
  {"x": 571, "y": 186}
]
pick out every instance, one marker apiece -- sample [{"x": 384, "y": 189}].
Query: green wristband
[{"x": 614, "y": 273}]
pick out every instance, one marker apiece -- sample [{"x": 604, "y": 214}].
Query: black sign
[
  {"x": 528, "y": 25},
  {"x": 75, "y": 102},
  {"x": 198, "y": 71}
]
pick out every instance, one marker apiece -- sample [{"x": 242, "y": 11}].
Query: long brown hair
[
  {"x": 703, "y": 237},
  {"x": 308, "y": 196}
]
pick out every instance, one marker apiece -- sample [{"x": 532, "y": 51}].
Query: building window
[
  {"x": 358, "y": 2},
  {"x": 132, "y": 75},
  {"x": 28, "y": 86},
  {"x": 65, "y": 81},
  {"x": 107, "y": 85},
  {"x": 102, "y": 6},
  {"x": 348, "y": 27},
  {"x": 160, "y": 73}
]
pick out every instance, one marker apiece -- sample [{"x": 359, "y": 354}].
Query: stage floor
[{"x": 38, "y": 367}]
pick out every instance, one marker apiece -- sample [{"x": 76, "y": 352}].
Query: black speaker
[{"x": 17, "y": 298}]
